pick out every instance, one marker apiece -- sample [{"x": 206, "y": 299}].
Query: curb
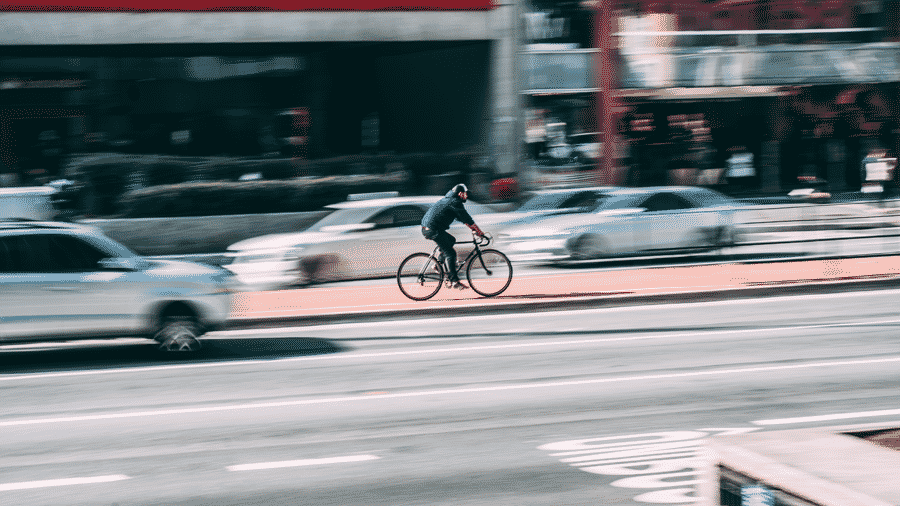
[{"x": 601, "y": 300}]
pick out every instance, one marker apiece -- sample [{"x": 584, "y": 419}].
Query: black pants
[{"x": 445, "y": 242}]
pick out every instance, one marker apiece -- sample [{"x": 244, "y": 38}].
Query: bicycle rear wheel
[
  {"x": 420, "y": 276},
  {"x": 490, "y": 274}
]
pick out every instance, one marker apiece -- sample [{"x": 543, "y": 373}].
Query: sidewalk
[{"x": 572, "y": 290}]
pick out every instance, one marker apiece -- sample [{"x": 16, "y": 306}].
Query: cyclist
[{"x": 438, "y": 219}]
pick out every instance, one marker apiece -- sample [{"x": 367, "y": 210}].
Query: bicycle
[{"x": 489, "y": 271}]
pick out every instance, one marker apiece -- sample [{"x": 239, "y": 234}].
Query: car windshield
[
  {"x": 544, "y": 201},
  {"x": 474, "y": 208},
  {"x": 343, "y": 217},
  {"x": 561, "y": 200}
]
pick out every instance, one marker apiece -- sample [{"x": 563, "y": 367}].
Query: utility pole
[{"x": 605, "y": 77}]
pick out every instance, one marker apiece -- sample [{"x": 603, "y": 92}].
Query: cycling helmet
[{"x": 460, "y": 188}]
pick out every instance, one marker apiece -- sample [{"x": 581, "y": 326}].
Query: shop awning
[{"x": 752, "y": 67}]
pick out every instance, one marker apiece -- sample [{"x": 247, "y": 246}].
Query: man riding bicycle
[{"x": 438, "y": 219}]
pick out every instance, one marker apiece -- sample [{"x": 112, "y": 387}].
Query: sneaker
[{"x": 459, "y": 286}]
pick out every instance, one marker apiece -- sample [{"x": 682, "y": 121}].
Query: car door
[
  {"x": 42, "y": 292},
  {"x": 667, "y": 222},
  {"x": 64, "y": 292},
  {"x": 102, "y": 301},
  {"x": 27, "y": 309},
  {"x": 396, "y": 233}
]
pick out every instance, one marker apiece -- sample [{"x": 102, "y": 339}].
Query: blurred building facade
[
  {"x": 262, "y": 78},
  {"x": 807, "y": 87}
]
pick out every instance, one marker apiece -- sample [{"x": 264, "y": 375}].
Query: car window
[
  {"x": 543, "y": 202},
  {"x": 55, "y": 253},
  {"x": 71, "y": 254},
  {"x": 400, "y": 216},
  {"x": 665, "y": 202},
  {"x": 16, "y": 256},
  {"x": 583, "y": 199},
  {"x": 408, "y": 216}
]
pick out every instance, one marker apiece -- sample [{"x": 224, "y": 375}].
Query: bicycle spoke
[
  {"x": 419, "y": 276},
  {"x": 490, "y": 273}
]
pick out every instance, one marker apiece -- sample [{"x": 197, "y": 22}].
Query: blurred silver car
[
  {"x": 554, "y": 202},
  {"x": 629, "y": 221},
  {"x": 62, "y": 281},
  {"x": 359, "y": 239}
]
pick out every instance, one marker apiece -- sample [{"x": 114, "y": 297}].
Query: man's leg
[{"x": 446, "y": 241}]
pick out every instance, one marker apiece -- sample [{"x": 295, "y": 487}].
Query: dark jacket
[{"x": 444, "y": 211}]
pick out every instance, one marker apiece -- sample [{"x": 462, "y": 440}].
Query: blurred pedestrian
[
  {"x": 877, "y": 172},
  {"x": 740, "y": 173}
]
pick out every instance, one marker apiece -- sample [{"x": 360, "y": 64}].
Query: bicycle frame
[{"x": 457, "y": 268}]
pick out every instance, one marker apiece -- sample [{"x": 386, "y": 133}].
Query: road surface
[{"x": 474, "y": 410}]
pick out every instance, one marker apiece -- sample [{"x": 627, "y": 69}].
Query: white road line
[
  {"x": 825, "y": 418},
  {"x": 434, "y": 351},
  {"x": 303, "y": 462},
  {"x": 449, "y": 391},
  {"x": 22, "y": 485}
]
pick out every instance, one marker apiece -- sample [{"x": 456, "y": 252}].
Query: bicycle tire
[
  {"x": 491, "y": 274},
  {"x": 420, "y": 276}
]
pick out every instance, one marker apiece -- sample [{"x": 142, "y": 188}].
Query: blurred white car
[
  {"x": 629, "y": 221},
  {"x": 28, "y": 203},
  {"x": 359, "y": 239},
  {"x": 62, "y": 281}
]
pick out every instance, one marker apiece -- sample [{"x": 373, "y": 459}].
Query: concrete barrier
[
  {"x": 213, "y": 234},
  {"x": 201, "y": 235},
  {"x": 802, "y": 467}
]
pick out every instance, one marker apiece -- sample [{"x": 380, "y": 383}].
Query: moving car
[
  {"x": 358, "y": 239},
  {"x": 557, "y": 201},
  {"x": 63, "y": 281},
  {"x": 629, "y": 221}
]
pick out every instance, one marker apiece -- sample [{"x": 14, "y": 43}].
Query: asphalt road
[{"x": 474, "y": 410}]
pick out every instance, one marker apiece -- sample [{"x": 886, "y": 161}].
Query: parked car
[
  {"x": 64, "y": 281},
  {"x": 28, "y": 202},
  {"x": 629, "y": 221},
  {"x": 358, "y": 239}
]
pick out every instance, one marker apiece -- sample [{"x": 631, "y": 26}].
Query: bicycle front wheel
[
  {"x": 420, "y": 276},
  {"x": 490, "y": 273}
]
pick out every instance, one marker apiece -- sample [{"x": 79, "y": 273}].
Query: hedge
[
  {"x": 250, "y": 197},
  {"x": 109, "y": 176}
]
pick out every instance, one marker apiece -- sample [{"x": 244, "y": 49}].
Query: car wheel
[
  {"x": 179, "y": 334},
  {"x": 586, "y": 247},
  {"x": 319, "y": 269}
]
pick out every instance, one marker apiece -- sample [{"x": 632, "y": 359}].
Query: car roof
[{"x": 390, "y": 201}]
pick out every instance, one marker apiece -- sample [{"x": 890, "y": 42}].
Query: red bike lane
[{"x": 560, "y": 288}]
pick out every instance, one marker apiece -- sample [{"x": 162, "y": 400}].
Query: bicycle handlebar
[{"x": 482, "y": 240}]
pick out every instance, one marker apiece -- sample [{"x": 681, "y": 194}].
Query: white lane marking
[
  {"x": 353, "y": 356},
  {"x": 559, "y": 314},
  {"x": 450, "y": 391},
  {"x": 303, "y": 462},
  {"x": 824, "y": 418},
  {"x": 22, "y": 485}
]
